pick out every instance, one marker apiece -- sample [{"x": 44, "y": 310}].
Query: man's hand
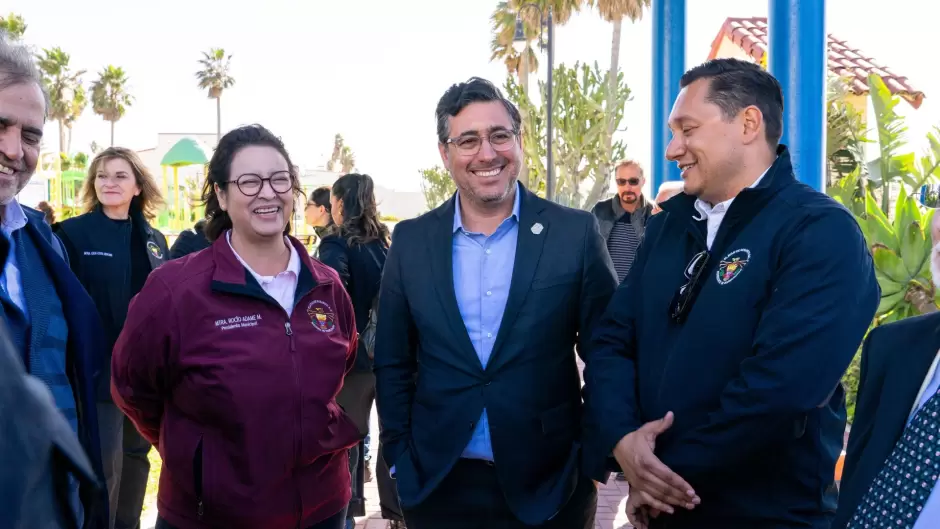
[
  {"x": 639, "y": 512},
  {"x": 646, "y": 473}
]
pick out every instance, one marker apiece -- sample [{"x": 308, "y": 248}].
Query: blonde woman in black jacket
[{"x": 112, "y": 249}]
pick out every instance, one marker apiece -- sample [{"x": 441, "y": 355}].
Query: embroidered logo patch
[
  {"x": 321, "y": 316},
  {"x": 154, "y": 249},
  {"x": 732, "y": 265}
]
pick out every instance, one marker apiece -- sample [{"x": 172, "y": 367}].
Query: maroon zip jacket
[{"x": 238, "y": 398}]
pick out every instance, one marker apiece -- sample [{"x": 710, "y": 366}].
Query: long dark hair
[
  {"x": 361, "y": 222},
  {"x": 220, "y": 167}
]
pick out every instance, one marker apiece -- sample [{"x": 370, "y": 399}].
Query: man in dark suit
[
  {"x": 894, "y": 444},
  {"x": 48, "y": 316},
  {"x": 482, "y": 305}
]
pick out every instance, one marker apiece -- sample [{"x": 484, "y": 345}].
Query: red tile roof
[{"x": 750, "y": 34}]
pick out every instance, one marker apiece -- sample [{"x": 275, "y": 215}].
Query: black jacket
[
  {"x": 99, "y": 252},
  {"x": 190, "y": 241},
  {"x": 608, "y": 211},
  {"x": 360, "y": 267},
  {"x": 431, "y": 387},
  {"x": 753, "y": 374}
]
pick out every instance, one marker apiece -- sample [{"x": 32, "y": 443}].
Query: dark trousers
[
  {"x": 337, "y": 521},
  {"x": 356, "y": 398},
  {"x": 126, "y": 467},
  {"x": 470, "y": 498}
]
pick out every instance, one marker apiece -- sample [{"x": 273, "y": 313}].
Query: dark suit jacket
[
  {"x": 896, "y": 359},
  {"x": 431, "y": 388},
  {"x": 84, "y": 356}
]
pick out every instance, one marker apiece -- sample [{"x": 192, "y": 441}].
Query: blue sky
[{"x": 373, "y": 70}]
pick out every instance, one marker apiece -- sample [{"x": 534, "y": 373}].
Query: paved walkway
[{"x": 611, "y": 500}]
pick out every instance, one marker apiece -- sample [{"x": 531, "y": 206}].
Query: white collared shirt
[
  {"x": 715, "y": 214},
  {"x": 280, "y": 287},
  {"x": 14, "y": 218}
]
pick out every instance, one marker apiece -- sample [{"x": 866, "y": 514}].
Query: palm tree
[
  {"x": 13, "y": 26},
  {"x": 215, "y": 77},
  {"x": 109, "y": 97},
  {"x": 614, "y": 11},
  {"x": 62, "y": 85},
  {"x": 347, "y": 160},
  {"x": 503, "y": 22},
  {"x": 337, "y": 155},
  {"x": 76, "y": 109}
]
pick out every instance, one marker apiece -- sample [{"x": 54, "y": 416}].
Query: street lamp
[{"x": 548, "y": 46}]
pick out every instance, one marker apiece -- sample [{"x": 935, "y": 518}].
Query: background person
[
  {"x": 356, "y": 248},
  {"x": 112, "y": 249}
]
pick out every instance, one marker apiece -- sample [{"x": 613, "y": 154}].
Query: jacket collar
[
  {"x": 776, "y": 178},
  {"x": 229, "y": 270}
]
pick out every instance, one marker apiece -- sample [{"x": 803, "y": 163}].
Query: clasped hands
[{"x": 654, "y": 487}]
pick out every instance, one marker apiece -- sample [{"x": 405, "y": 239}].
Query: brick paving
[{"x": 611, "y": 499}]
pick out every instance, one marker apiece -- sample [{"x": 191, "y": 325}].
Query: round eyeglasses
[
  {"x": 469, "y": 144},
  {"x": 250, "y": 184}
]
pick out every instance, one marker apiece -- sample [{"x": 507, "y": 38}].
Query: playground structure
[{"x": 182, "y": 202}]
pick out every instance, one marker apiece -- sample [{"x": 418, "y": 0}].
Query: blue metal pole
[
  {"x": 797, "y": 42},
  {"x": 668, "y": 67}
]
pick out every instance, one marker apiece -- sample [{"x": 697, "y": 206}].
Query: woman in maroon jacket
[{"x": 231, "y": 360}]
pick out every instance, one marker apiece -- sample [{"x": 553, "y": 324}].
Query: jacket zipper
[
  {"x": 197, "y": 474},
  {"x": 300, "y": 408}
]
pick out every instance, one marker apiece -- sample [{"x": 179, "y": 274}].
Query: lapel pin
[{"x": 536, "y": 228}]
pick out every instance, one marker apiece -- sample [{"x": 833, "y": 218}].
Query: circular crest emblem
[
  {"x": 732, "y": 265},
  {"x": 321, "y": 316},
  {"x": 154, "y": 250}
]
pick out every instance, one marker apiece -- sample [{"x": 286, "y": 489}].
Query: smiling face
[
  {"x": 487, "y": 176},
  {"x": 22, "y": 115},
  {"x": 706, "y": 145},
  {"x": 115, "y": 184},
  {"x": 258, "y": 209}
]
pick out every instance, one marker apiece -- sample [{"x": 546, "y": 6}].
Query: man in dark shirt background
[{"x": 622, "y": 218}]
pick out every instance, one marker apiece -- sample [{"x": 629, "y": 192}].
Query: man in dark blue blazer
[
  {"x": 48, "y": 317},
  {"x": 714, "y": 375},
  {"x": 484, "y": 301},
  {"x": 896, "y": 418}
]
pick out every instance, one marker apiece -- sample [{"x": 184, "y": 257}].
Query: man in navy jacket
[{"x": 714, "y": 375}]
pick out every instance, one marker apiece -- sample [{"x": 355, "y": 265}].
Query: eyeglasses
[
  {"x": 501, "y": 140},
  {"x": 685, "y": 296},
  {"x": 250, "y": 184},
  {"x": 625, "y": 181}
]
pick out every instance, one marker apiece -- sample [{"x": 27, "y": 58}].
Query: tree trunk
[
  {"x": 218, "y": 119},
  {"x": 62, "y": 146},
  {"x": 112, "y": 133},
  {"x": 68, "y": 142},
  {"x": 602, "y": 178},
  {"x": 921, "y": 300},
  {"x": 524, "y": 84}
]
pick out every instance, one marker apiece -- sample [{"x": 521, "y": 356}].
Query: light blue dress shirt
[
  {"x": 482, "y": 275},
  {"x": 929, "y": 517}
]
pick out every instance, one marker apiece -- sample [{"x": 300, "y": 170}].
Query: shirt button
[
  {"x": 489, "y": 335},
  {"x": 488, "y": 251},
  {"x": 489, "y": 292}
]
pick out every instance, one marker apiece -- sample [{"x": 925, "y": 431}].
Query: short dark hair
[
  {"x": 735, "y": 85},
  {"x": 475, "y": 90},
  {"x": 218, "y": 221},
  {"x": 321, "y": 197}
]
